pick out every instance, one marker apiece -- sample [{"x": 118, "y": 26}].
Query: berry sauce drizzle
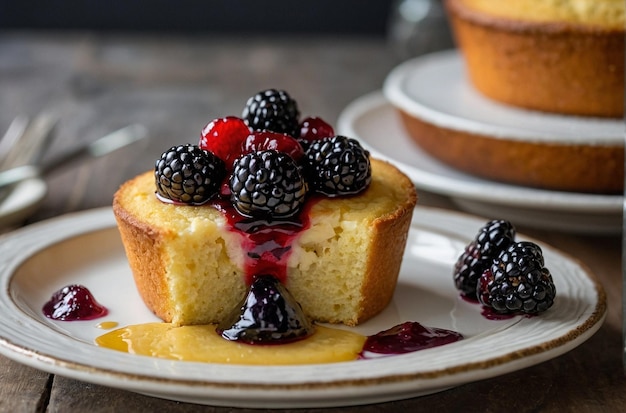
[
  {"x": 73, "y": 302},
  {"x": 488, "y": 312},
  {"x": 267, "y": 243},
  {"x": 405, "y": 338}
]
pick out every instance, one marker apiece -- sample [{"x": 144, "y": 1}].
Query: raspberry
[
  {"x": 267, "y": 184},
  {"x": 338, "y": 166},
  {"x": 517, "y": 281},
  {"x": 268, "y": 314},
  {"x": 492, "y": 238},
  {"x": 313, "y": 129},
  {"x": 224, "y": 137},
  {"x": 188, "y": 174},
  {"x": 264, "y": 140},
  {"x": 272, "y": 110}
]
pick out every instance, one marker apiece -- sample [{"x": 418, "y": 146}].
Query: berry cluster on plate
[
  {"x": 266, "y": 162},
  {"x": 508, "y": 276}
]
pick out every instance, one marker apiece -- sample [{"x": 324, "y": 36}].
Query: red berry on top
[
  {"x": 224, "y": 137},
  {"x": 314, "y": 128},
  {"x": 265, "y": 140}
]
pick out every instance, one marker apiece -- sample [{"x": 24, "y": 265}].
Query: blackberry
[
  {"x": 267, "y": 184},
  {"x": 267, "y": 314},
  {"x": 338, "y": 166},
  {"x": 492, "y": 238},
  {"x": 272, "y": 110},
  {"x": 517, "y": 281},
  {"x": 188, "y": 174}
]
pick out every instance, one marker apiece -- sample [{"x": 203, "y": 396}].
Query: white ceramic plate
[
  {"x": 85, "y": 248},
  {"x": 22, "y": 202},
  {"x": 435, "y": 88},
  {"x": 374, "y": 121}
]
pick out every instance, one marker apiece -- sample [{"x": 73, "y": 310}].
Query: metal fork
[
  {"x": 30, "y": 145},
  {"x": 14, "y": 132},
  {"x": 26, "y": 142}
]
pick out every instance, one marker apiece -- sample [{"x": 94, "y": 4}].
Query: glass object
[{"x": 418, "y": 27}]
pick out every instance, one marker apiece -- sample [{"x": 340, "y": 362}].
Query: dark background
[{"x": 367, "y": 17}]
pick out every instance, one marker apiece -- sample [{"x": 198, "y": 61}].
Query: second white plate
[{"x": 374, "y": 121}]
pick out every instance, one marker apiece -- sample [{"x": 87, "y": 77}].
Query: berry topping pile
[
  {"x": 507, "y": 276},
  {"x": 260, "y": 169},
  {"x": 265, "y": 162},
  {"x": 268, "y": 313}
]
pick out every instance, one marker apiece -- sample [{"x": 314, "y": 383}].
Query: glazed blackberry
[
  {"x": 268, "y": 313},
  {"x": 267, "y": 184},
  {"x": 492, "y": 238},
  {"x": 338, "y": 166},
  {"x": 517, "y": 281},
  {"x": 273, "y": 110},
  {"x": 188, "y": 174}
]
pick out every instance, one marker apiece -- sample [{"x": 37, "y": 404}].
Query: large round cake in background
[
  {"x": 558, "y": 56},
  {"x": 455, "y": 124}
]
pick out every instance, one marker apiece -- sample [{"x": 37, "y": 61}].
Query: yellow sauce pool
[{"x": 202, "y": 343}]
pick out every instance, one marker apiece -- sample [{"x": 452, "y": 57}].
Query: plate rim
[
  {"x": 396, "y": 90},
  {"x": 102, "y": 218}
]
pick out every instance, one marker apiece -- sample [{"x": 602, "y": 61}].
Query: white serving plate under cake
[
  {"x": 85, "y": 248},
  {"x": 375, "y": 122}
]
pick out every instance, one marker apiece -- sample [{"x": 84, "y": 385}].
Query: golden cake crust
[
  {"x": 561, "y": 63},
  {"x": 380, "y": 216},
  {"x": 144, "y": 246}
]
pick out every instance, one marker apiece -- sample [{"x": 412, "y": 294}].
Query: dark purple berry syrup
[
  {"x": 405, "y": 338},
  {"x": 488, "y": 312},
  {"x": 267, "y": 243},
  {"x": 73, "y": 302}
]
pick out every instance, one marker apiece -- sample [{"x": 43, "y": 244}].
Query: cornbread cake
[
  {"x": 343, "y": 268},
  {"x": 552, "y": 55}
]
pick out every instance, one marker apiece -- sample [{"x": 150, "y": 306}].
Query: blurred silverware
[
  {"x": 11, "y": 136},
  {"x": 100, "y": 147},
  {"x": 30, "y": 140},
  {"x": 25, "y": 142}
]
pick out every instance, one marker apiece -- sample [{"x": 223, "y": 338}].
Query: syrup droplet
[
  {"x": 490, "y": 314},
  {"x": 73, "y": 302},
  {"x": 107, "y": 325}
]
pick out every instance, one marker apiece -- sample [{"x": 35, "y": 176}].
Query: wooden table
[{"x": 174, "y": 85}]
